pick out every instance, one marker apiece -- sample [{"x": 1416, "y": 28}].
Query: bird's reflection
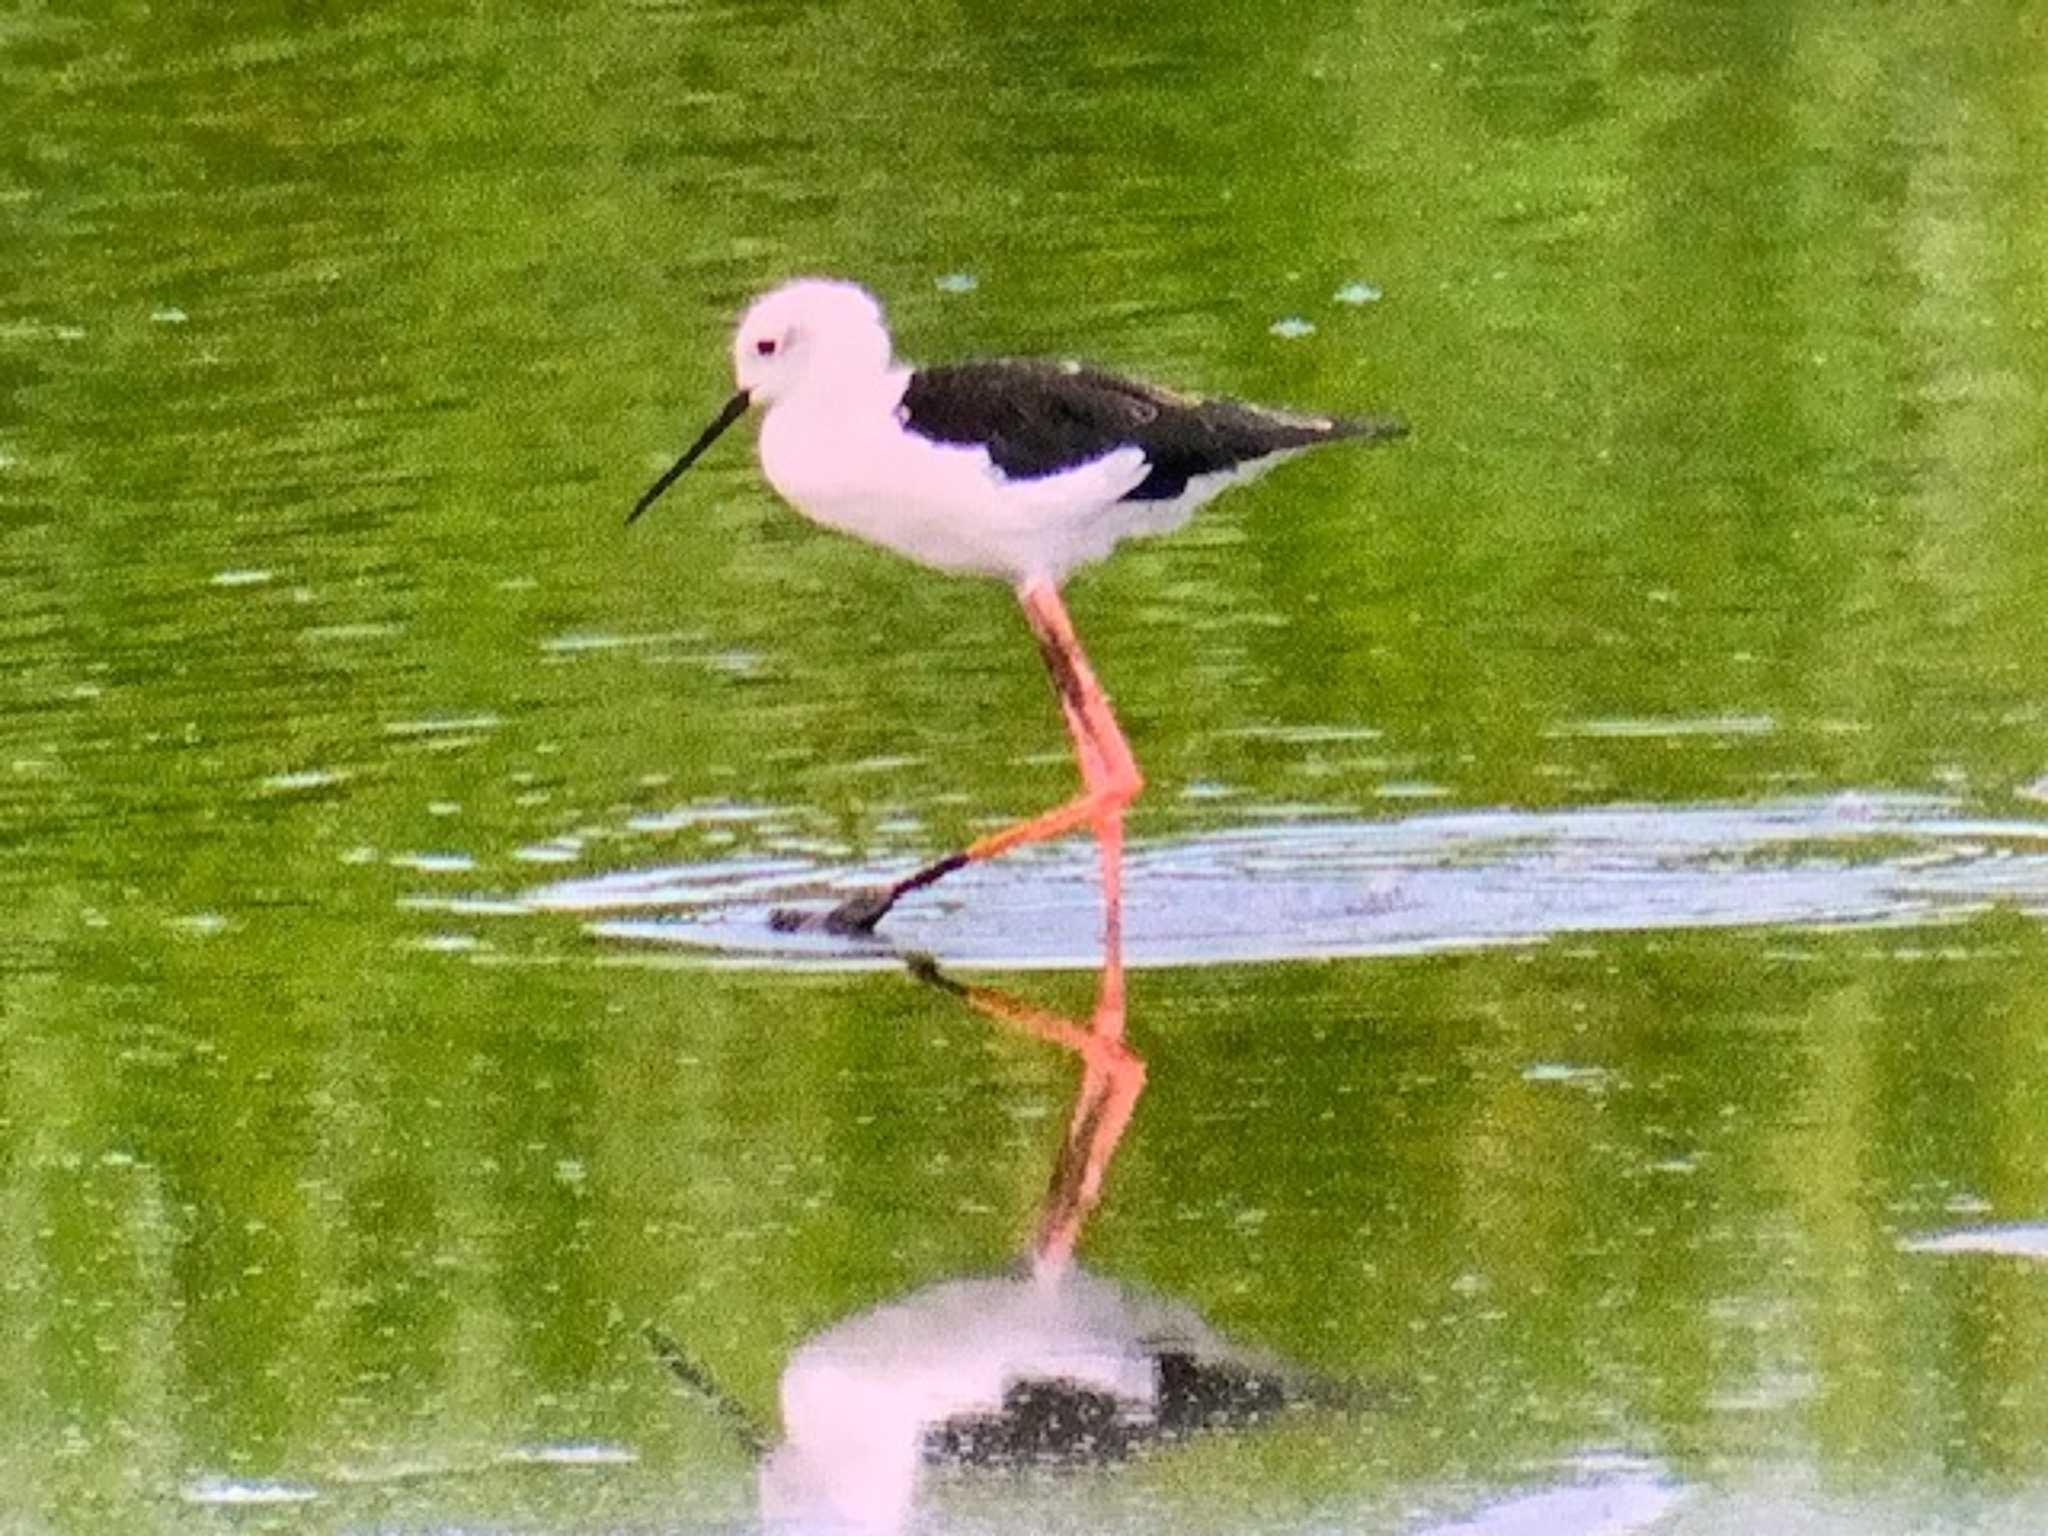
[{"x": 1045, "y": 1365}]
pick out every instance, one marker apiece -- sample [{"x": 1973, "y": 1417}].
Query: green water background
[{"x": 334, "y": 342}]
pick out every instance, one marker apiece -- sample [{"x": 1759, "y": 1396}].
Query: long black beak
[{"x": 735, "y": 408}]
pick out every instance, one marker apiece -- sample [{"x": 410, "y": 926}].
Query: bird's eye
[{"x": 765, "y": 346}]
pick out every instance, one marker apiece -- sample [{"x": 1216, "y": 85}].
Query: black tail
[{"x": 1373, "y": 429}]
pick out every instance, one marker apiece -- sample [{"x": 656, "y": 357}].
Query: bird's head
[{"x": 811, "y": 329}]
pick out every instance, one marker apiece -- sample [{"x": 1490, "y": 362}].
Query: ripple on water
[
  {"x": 1609, "y": 1506},
  {"x": 1315, "y": 887},
  {"x": 246, "y": 1491},
  {"x": 2018, "y": 1240},
  {"x": 572, "y": 1453}
]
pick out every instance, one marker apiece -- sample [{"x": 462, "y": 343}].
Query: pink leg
[
  {"x": 1109, "y": 774},
  {"x": 1110, "y": 780},
  {"x": 1109, "y": 842}
]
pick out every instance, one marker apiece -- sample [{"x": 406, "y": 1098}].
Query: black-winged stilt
[{"x": 1017, "y": 469}]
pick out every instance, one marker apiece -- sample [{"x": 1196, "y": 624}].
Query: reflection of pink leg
[
  {"x": 1109, "y": 996},
  {"x": 1112, "y": 1077}
]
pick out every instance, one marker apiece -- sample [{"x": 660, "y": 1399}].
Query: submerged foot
[
  {"x": 853, "y": 918},
  {"x": 924, "y": 967}
]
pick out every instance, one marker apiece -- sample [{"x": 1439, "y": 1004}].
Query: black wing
[{"x": 1037, "y": 419}]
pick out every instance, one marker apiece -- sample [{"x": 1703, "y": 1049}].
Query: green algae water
[{"x": 1587, "y": 900}]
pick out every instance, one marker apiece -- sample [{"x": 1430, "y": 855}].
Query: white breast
[{"x": 847, "y": 462}]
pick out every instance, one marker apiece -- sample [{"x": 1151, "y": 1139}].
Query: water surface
[{"x": 1588, "y": 888}]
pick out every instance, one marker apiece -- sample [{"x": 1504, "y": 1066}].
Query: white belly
[{"x": 851, "y": 466}]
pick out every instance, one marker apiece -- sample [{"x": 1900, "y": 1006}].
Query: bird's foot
[{"x": 853, "y": 918}]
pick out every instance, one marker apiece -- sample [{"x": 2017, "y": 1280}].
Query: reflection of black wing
[
  {"x": 1037, "y": 419},
  {"x": 1056, "y": 1422},
  {"x": 1040, "y": 1422},
  {"x": 1196, "y": 1394}
]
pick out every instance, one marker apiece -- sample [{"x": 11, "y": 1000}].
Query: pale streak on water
[{"x": 1327, "y": 889}]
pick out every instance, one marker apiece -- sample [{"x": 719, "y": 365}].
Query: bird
[
  {"x": 1018, "y": 469},
  {"x": 1007, "y": 1372},
  {"x": 1045, "y": 1364}
]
